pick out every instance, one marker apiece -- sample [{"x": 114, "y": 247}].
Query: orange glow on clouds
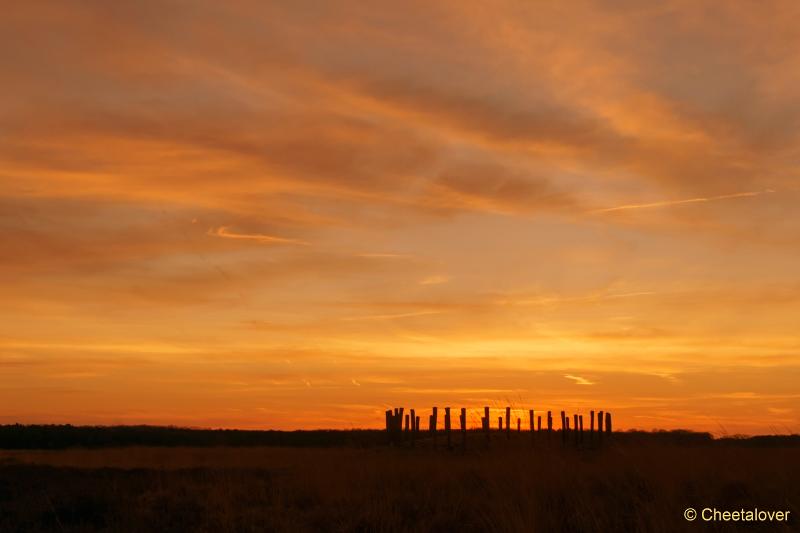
[{"x": 290, "y": 216}]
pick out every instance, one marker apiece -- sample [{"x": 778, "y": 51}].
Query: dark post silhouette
[
  {"x": 413, "y": 420},
  {"x": 463, "y": 420},
  {"x": 447, "y": 427},
  {"x": 394, "y": 424},
  {"x": 576, "y": 430},
  {"x": 398, "y": 422},
  {"x": 486, "y": 424},
  {"x": 434, "y": 424},
  {"x": 530, "y": 416},
  {"x": 401, "y": 427},
  {"x": 400, "y": 418},
  {"x": 600, "y": 426}
]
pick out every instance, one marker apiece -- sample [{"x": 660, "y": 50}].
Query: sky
[{"x": 299, "y": 214}]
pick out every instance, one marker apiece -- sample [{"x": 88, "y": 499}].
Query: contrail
[
  {"x": 680, "y": 202},
  {"x": 579, "y": 380},
  {"x": 390, "y": 317},
  {"x": 384, "y": 256},
  {"x": 223, "y": 232}
]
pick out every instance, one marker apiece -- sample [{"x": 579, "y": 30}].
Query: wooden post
[
  {"x": 416, "y": 426},
  {"x": 447, "y": 427},
  {"x": 486, "y": 424},
  {"x": 576, "y": 431},
  {"x": 413, "y": 420},
  {"x": 591, "y": 427},
  {"x": 519, "y": 425},
  {"x": 539, "y": 424},
  {"x": 580, "y": 419},
  {"x": 563, "y": 427},
  {"x": 434, "y": 424},
  {"x": 530, "y": 416},
  {"x": 500, "y": 423},
  {"x": 608, "y": 423},
  {"x": 600, "y": 426},
  {"x": 549, "y": 425},
  {"x": 508, "y": 422},
  {"x": 389, "y": 426},
  {"x": 399, "y": 424},
  {"x": 463, "y": 419}
]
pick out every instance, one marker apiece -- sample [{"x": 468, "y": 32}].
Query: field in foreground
[{"x": 628, "y": 485}]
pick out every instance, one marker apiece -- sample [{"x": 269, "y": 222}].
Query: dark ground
[{"x": 634, "y": 482}]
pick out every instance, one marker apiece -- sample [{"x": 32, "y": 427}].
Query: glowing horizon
[{"x": 297, "y": 216}]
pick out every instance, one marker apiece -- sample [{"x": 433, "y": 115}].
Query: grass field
[{"x": 629, "y": 485}]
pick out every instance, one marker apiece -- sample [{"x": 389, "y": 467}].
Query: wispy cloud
[
  {"x": 547, "y": 300},
  {"x": 225, "y": 233},
  {"x": 438, "y": 193},
  {"x": 670, "y": 203},
  {"x": 392, "y": 316},
  {"x": 384, "y": 256},
  {"x": 579, "y": 380},
  {"x": 434, "y": 280}
]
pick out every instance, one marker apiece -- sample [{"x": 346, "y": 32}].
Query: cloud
[
  {"x": 579, "y": 380},
  {"x": 393, "y": 316},
  {"x": 434, "y": 280},
  {"x": 295, "y": 181},
  {"x": 378, "y": 255},
  {"x": 670, "y": 203},
  {"x": 225, "y": 233}
]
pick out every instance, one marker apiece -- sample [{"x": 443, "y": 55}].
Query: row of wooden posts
[{"x": 398, "y": 432}]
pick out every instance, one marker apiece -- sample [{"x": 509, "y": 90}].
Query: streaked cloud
[
  {"x": 226, "y": 233},
  {"x": 229, "y": 203},
  {"x": 393, "y": 316},
  {"x": 579, "y": 380},
  {"x": 385, "y": 256},
  {"x": 670, "y": 203},
  {"x": 434, "y": 280}
]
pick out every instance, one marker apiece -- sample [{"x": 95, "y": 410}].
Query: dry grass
[{"x": 626, "y": 487}]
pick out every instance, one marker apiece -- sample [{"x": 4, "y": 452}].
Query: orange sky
[{"x": 246, "y": 214}]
